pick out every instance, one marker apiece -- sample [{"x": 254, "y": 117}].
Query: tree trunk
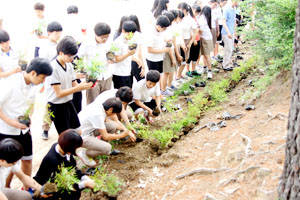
[{"x": 289, "y": 186}]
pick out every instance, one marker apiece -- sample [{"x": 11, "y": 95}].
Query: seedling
[
  {"x": 22, "y": 61},
  {"x": 80, "y": 65},
  {"x": 39, "y": 30},
  {"x": 94, "y": 69},
  {"x": 49, "y": 115},
  {"x": 25, "y": 119},
  {"x": 66, "y": 178},
  {"x": 131, "y": 42},
  {"x": 110, "y": 55}
]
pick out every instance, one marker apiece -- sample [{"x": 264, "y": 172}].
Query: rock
[
  {"x": 279, "y": 161},
  {"x": 263, "y": 172},
  {"x": 209, "y": 197},
  {"x": 250, "y": 107}
]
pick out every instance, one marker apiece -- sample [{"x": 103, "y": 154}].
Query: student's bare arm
[
  {"x": 27, "y": 180},
  {"x": 157, "y": 51},
  {"x": 12, "y": 122},
  {"x": 62, "y": 93},
  {"x": 226, "y": 28},
  {"x": 2, "y": 196},
  {"x": 158, "y": 101},
  {"x": 108, "y": 137},
  {"x": 194, "y": 35},
  {"x": 9, "y": 73},
  {"x": 126, "y": 55}
]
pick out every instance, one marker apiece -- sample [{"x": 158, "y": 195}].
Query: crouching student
[
  {"x": 93, "y": 122},
  {"x": 11, "y": 152},
  {"x": 61, "y": 153},
  {"x": 146, "y": 95}
]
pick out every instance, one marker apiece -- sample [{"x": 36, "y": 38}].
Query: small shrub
[{"x": 66, "y": 178}]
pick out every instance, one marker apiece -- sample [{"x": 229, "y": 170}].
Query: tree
[{"x": 289, "y": 186}]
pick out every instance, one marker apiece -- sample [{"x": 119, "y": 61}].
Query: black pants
[
  {"x": 151, "y": 104},
  {"x": 77, "y": 99},
  {"x": 135, "y": 71},
  {"x": 36, "y": 52},
  {"x": 120, "y": 81},
  {"x": 194, "y": 52}
]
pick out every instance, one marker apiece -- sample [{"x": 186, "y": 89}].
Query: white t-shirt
[
  {"x": 60, "y": 76},
  {"x": 73, "y": 26},
  {"x": 48, "y": 50},
  {"x": 143, "y": 93},
  {"x": 215, "y": 17},
  {"x": 156, "y": 40},
  {"x": 178, "y": 33},
  {"x": 218, "y": 13},
  {"x": 16, "y": 96},
  {"x": 206, "y": 33},
  {"x": 91, "y": 118},
  {"x": 188, "y": 24},
  {"x": 101, "y": 98},
  {"x": 8, "y": 61},
  {"x": 91, "y": 49},
  {"x": 5, "y": 171}
]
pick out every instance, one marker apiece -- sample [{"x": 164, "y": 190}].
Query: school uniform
[
  {"x": 65, "y": 115},
  {"x": 48, "y": 50},
  {"x": 218, "y": 12},
  {"x": 122, "y": 70},
  {"x": 16, "y": 97},
  {"x": 155, "y": 40},
  {"x": 42, "y": 25},
  {"x": 135, "y": 69},
  {"x": 8, "y": 61},
  {"x": 195, "y": 49},
  {"x": 188, "y": 26},
  {"x": 168, "y": 67},
  {"x": 91, "y": 49},
  {"x": 206, "y": 36}
]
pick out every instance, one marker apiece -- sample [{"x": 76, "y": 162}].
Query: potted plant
[
  {"x": 80, "y": 65},
  {"x": 93, "y": 70},
  {"x": 110, "y": 55},
  {"x": 168, "y": 44},
  {"x": 156, "y": 111},
  {"x": 39, "y": 30},
  {"x": 25, "y": 119},
  {"x": 131, "y": 42},
  {"x": 47, "y": 118},
  {"x": 22, "y": 62}
]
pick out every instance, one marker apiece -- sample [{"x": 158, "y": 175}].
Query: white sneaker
[
  {"x": 167, "y": 93},
  {"x": 85, "y": 159},
  {"x": 203, "y": 70},
  {"x": 209, "y": 74},
  {"x": 139, "y": 110}
]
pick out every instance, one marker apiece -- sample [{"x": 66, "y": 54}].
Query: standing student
[
  {"x": 8, "y": 57},
  {"x": 119, "y": 31},
  {"x": 229, "y": 18},
  {"x": 216, "y": 14},
  {"x": 96, "y": 48},
  {"x": 61, "y": 85},
  {"x": 123, "y": 57},
  {"x": 161, "y": 6},
  {"x": 17, "y": 94},
  {"x": 189, "y": 33}
]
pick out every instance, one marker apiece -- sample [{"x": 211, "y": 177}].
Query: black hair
[
  {"x": 39, "y": 6},
  {"x": 129, "y": 26},
  {"x": 113, "y": 103},
  {"x": 125, "y": 94},
  {"x": 40, "y": 66},
  {"x": 54, "y": 27},
  {"x": 119, "y": 31},
  {"x": 102, "y": 29},
  {"x": 186, "y": 7},
  {"x": 214, "y": 1},
  {"x": 135, "y": 19},
  {"x": 206, "y": 11},
  {"x": 175, "y": 13},
  {"x": 155, "y": 4},
  {"x": 10, "y": 150},
  {"x": 180, "y": 14},
  {"x": 163, "y": 21},
  {"x": 197, "y": 8},
  {"x": 67, "y": 45},
  {"x": 162, "y": 5},
  {"x": 69, "y": 141},
  {"x": 153, "y": 76},
  {"x": 4, "y": 37},
  {"x": 72, "y": 9},
  {"x": 169, "y": 15}
]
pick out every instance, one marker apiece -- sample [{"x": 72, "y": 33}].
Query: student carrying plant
[
  {"x": 17, "y": 93},
  {"x": 61, "y": 85}
]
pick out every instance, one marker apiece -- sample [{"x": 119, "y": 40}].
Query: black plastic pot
[
  {"x": 23, "y": 64},
  {"x": 91, "y": 79},
  {"x": 169, "y": 44},
  {"x": 132, "y": 47},
  {"x": 192, "y": 87},
  {"x": 24, "y": 121},
  {"x": 110, "y": 55},
  {"x": 156, "y": 111}
]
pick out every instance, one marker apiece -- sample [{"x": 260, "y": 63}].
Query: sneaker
[
  {"x": 219, "y": 57},
  {"x": 167, "y": 93},
  {"x": 228, "y": 69},
  {"x": 195, "y": 73},
  {"x": 189, "y": 74},
  {"x": 115, "y": 152},
  {"x": 85, "y": 159},
  {"x": 209, "y": 74},
  {"x": 173, "y": 88},
  {"x": 203, "y": 70},
  {"x": 45, "y": 135}
]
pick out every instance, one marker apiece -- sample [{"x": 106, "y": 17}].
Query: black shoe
[
  {"x": 45, "y": 135},
  {"x": 228, "y": 69},
  {"x": 195, "y": 73},
  {"x": 115, "y": 152}
]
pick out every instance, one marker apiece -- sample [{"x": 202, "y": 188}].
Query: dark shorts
[
  {"x": 194, "y": 53},
  {"x": 135, "y": 71},
  {"x": 25, "y": 140},
  {"x": 151, "y": 105},
  {"x": 120, "y": 81},
  {"x": 65, "y": 116},
  {"x": 155, "y": 65},
  {"x": 219, "y": 39}
]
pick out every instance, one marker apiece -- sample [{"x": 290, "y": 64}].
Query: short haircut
[
  {"x": 125, "y": 94},
  {"x": 175, "y": 13},
  {"x": 102, "y": 29},
  {"x": 4, "y": 36},
  {"x": 69, "y": 141},
  {"x": 39, "y": 6},
  {"x": 170, "y": 15},
  {"x": 113, "y": 103},
  {"x": 72, "y": 9},
  {"x": 10, "y": 150},
  {"x": 180, "y": 14},
  {"x": 153, "y": 76},
  {"x": 40, "y": 66},
  {"x": 197, "y": 8},
  {"x": 68, "y": 46},
  {"x": 129, "y": 26},
  {"x": 54, "y": 27},
  {"x": 214, "y": 1},
  {"x": 163, "y": 21}
]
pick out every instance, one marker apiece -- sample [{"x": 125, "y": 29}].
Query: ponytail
[{"x": 190, "y": 11}]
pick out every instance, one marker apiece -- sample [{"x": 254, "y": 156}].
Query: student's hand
[
  {"x": 179, "y": 59},
  {"x": 131, "y": 52},
  {"x": 89, "y": 184},
  {"x": 15, "y": 123},
  {"x": 17, "y": 69},
  {"x": 195, "y": 43},
  {"x": 166, "y": 49},
  {"x": 111, "y": 61},
  {"x": 80, "y": 75},
  {"x": 132, "y": 136},
  {"x": 84, "y": 85},
  {"x": 150, "y": 113},
  {"x": 139, "y": 63},
  {"x": 174, "y": 62},
  {"x": 189, "y": 45},
  {"x": 229, "y": 36}
]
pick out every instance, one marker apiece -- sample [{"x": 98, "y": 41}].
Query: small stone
[
  {"x": 279, "y": 161},
  {"x": 217, "y": 154},
  {"x": 263, "y": 172},
  {"x": 209, "y": 197}
]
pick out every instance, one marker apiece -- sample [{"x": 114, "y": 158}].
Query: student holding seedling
[
  {"x": 126, "y": 45},
  {"x": 96, "y": 49},
  {"x": 100, "y": 117},
  {"x": 61, "y": 86},
  {"x": 11, "y": 152},
  {"x": 146, "y": 95},
  {"x": 17, "y": 94}
]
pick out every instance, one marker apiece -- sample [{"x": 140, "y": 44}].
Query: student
[
  {"x": 40, "y": 26},
  {"x": 8, "y": 57},
  {"x": 161, "y": 6},
  {"x": 216, "y": 15},
  {"x": 229, "y": 18},
  {"x": 144, "y": 93},
  {"x": 61, "y": 85},
  {"x": 123, "y": 57},
  {"x": 189, "y": 31},
  {"x": 206, "y": 39},
  {"x": 11, "y": 152},
  {"x": 156, "y": 45},
  {"x": 119, "y": 31},
  {"x": 62, "y": 153},
  {"x": 96, "y": 48},
  {"x": 93, "y": 122},
  {"x": 17, "y": 94}
]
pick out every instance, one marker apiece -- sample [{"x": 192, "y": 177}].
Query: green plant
[
  {"x": 217, "y": 90},
  {"x": 66, "y": 178},
  {"x": 164, "y": 136},
  {"x": 80, "y": 64},
  {"x": 113, "y": 48},
  {"x": 94, "y": 68},
  {"x": 48, "y": 115}
]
